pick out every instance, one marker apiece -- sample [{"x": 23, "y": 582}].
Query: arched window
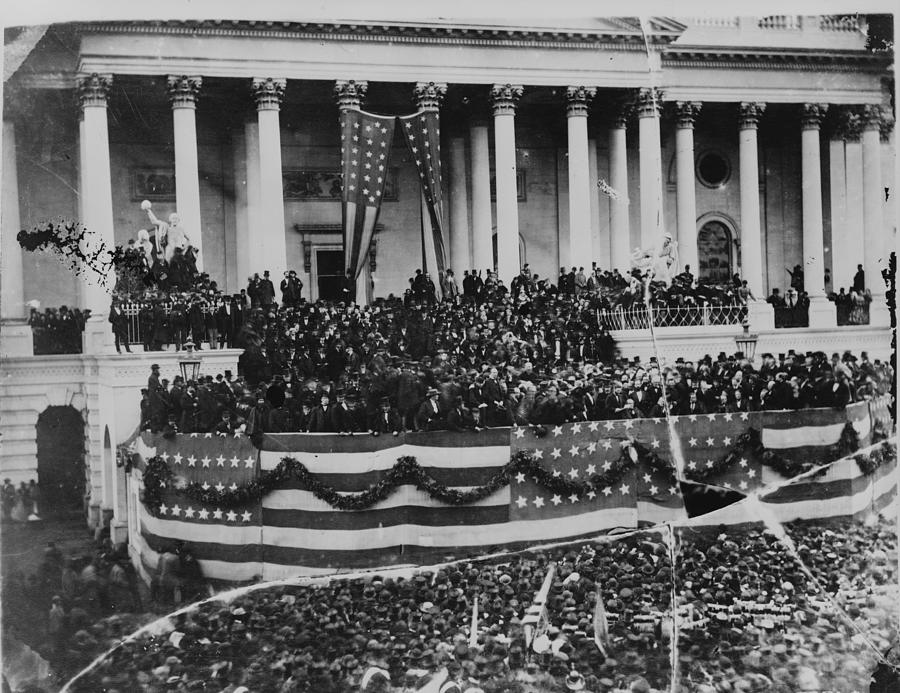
[{"x": 714, "y": 252}]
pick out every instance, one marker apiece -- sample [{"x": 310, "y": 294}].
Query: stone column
[
  {"x": 837, "y": 193},
  {"x": 459, "y": 208},
  {"x": 93, "y": 91},
  {"x": 15, "y": 334},
  {"x": 504, "y": 98},
  {"x": 619, "y": 223},
  {"x": 269, "y": 92},
  {"x": 850, "y": 248},
  {"x": 183, "y": 91},
  {"x": 428, "y": 96},
  {"x": 581, "y": 247},
  {"x": 650, "y": 152},
  {"x": 350, "y": 94},
  {"x": 821, "y": 310},
  {"x": 482, "y": 219},
  {"x": 685, "y": 190},
  {"x": 599, "y": 237},
  {"x": 751, "y": 232},
  {"x": 873, "y": 214}
]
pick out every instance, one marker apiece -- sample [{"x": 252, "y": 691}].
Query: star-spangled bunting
[
  {"x": 365, "y": 152},
  {"x": 707, "y": 438},
  {"x": 575, "y": 452},
  {"x": 422, "y": 133},
  {"x": 203, "y": 460}
]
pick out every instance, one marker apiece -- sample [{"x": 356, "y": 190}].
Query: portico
[{"x": 241, "y": 119}]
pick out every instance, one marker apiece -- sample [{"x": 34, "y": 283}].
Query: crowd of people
[
  {"x": 22, "y": 503},
  {"x": 749, "y": 618},
  {"x": 73, "y": 606},
  {"x": 485, "y": 382},
  {"x": 57, "y": 330}
]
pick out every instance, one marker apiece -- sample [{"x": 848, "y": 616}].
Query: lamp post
[
  {"x": 746, "y": 342},
  {"x": 190, "y": 363}
]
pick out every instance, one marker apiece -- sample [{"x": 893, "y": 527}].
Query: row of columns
[{"x": 265, "y": 206}]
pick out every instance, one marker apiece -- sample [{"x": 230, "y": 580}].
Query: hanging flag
[
  {"x": 365, "y": 150},
  {"x": 422, "y": 132}
]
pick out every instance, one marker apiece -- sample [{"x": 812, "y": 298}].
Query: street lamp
[
  {"x": 190, "y": 364},
  {"x": 746, "y": 342}
]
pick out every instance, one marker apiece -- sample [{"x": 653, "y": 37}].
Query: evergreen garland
[
  {"x": 407, "y": 470},
  {"x": 876, "y": 458}
]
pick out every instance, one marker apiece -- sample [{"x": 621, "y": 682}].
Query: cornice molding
[
  {"x": 628, "y": 39},
  {"x": 791, "y": 60}
]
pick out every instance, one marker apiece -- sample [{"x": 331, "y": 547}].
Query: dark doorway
[
  {"x": 60, "y": 458},
  {"x": 714, "y": 252},
  {"x": 329, "y": 274}
]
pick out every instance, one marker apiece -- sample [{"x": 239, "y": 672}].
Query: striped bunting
[{"x": 291, "y": 532}]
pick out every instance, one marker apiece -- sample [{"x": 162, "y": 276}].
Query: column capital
[
  {"x": 621, "y": 110},
  {"x": 183, "y": 90},
  {"x": 349, "y": 93},
  {"x": 428, "y": 96},
  {"x": 749, "y": 114},
  {"x": 504, "y": 98},
  {"x": 578, "y": 100},
  {"x": 648, "y": 102},
  {"x": 871, "y": 117},
  {"x": 268, "y": 92},
  {"x": 811, "y": 115},
  {"x": 686, "y": 113},
  {"x": 93, "y": 89},
  {"x": 848, "y": 125}
]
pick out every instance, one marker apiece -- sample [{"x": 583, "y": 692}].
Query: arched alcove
[{"x": 61, "y": 460}]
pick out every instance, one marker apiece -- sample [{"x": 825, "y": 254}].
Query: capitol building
[{"x": 759, "y": 143}]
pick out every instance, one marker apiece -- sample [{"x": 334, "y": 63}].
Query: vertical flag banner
[
  {"x": 365, "y": 151},
  {"x": 422, "y": 132}
]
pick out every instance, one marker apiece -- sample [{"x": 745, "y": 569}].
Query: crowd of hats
[
  {"x": 494, "y": 363},
  {"x": 57, "y": 330},
  {"x": 327, "y": 636},
  {"x": 775, "y": 620}
]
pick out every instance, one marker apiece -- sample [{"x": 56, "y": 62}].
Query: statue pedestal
[
  {"x": 16, "y": 338},
  {"x": 822, "y": 312},
  {"x": 761, "y": 316},
  {"x": 98, "y": 337}
]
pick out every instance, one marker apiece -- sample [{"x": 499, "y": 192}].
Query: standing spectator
[
  {"x": 859, "y": 280},
  {"x": 119, "y": 323}
]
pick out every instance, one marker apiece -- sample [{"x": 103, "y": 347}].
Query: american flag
[
  {"x": 365, "y": 151},
  {"x": 422, "y": 132},
  {"x": 577, "y": 451}
]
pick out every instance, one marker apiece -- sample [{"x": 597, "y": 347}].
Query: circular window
[{"x": 713, "y": 169}]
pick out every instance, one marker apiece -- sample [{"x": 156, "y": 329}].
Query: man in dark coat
[
  {"x": 386, "y": 420},
  {"x": 119, "y": 323},
  {"x": 322, "y": 419},
  {"x": 266, "y": 291}
]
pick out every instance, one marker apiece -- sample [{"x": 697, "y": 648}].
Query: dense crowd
[
  {"x": 398, "y": 633},
  {"x": 57, "y": 331},
  {"x": 485, "y": 381}
]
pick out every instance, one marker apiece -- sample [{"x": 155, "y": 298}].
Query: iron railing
[
  {"x": 132, "y": 312},
  {"x": 639, "y": 317}
]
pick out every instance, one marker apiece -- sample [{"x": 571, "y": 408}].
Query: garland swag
[{"x": 158, "y": 476}]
